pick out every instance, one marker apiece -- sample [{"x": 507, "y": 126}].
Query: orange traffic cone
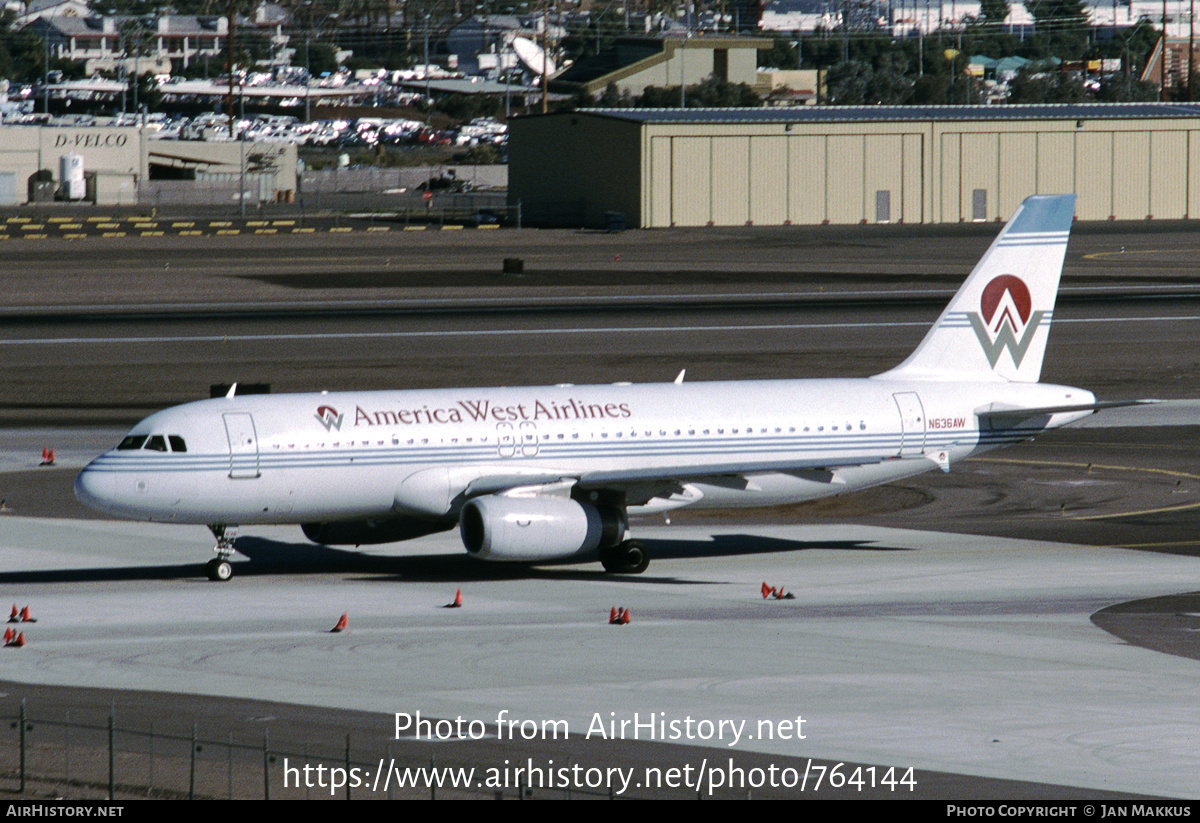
[
  {"x": 9, "y": 634},
  {"x": 342, "y": 624},
  {"x": 26, "y": 617},
  {"x": 457, "y": 604},
  {"x": 766, "y": 590},
  {"x": 612, "y": 616},
  {"x": 15, "y": 617},
  {"x": 17, "y": 642},
  {"x": 624, "y": 618}
]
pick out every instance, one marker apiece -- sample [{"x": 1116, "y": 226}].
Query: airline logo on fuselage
[
  {"x": 328, "y": 417},
  {"x": 1006, "y": 319},
  {"x": 479, "y": 411}
]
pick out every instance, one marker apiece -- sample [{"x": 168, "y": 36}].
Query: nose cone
[{"x": 95, "y": 488}]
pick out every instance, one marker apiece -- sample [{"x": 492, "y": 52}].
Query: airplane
[{"x": 553, "y": 473}]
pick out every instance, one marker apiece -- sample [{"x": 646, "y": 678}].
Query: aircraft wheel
[
  {"x": 629, "y": 557},
  {"x": 219, "y": 569}
]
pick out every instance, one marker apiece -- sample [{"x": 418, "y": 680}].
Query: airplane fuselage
[{"x": 302, "y": 458}]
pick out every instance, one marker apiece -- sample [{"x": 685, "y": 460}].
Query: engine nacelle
[
  {"x": 538, "y": 528},
  {"x": 367, "y": 532}
]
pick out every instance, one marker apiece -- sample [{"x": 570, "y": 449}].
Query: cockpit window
[{"x": 153, "y": 442}]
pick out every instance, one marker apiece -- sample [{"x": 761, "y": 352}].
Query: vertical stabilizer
[{"x": 997, "y": 325}]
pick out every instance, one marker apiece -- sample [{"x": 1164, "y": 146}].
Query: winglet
[
  {"x": 232, "y": 391},
  {"x": 679, "y": 377},
  {"x": 996, "y": 326}
]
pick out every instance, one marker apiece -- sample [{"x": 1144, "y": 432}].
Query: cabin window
[
  {"x": 133, "y": 441},
  {"x": 177, "y": 444},
  {"x": 157, "y": 443}
]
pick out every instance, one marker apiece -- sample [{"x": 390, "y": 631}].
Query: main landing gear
[
  {"x": 629, "y": 557},
  {"x": 219, "y": 569}
]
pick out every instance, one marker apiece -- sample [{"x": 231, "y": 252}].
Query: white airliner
[{"x": 551, "y": 473}]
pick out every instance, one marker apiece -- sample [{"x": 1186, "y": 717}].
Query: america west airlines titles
[
  {"x": 479, "y": 411},
  {"x": 486, "y": 411}
]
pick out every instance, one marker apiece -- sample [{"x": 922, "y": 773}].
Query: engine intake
[{"x": 537, "y": 529}]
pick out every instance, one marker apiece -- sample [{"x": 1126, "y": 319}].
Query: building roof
[{"x": 848, "y": 114}]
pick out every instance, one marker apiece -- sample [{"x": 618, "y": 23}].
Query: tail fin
[{"x": 997, "y": 325}]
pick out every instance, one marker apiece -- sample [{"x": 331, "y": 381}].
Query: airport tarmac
[
  {"x": 1028, "y": 617},
  {"x": 972, "y": 655}
]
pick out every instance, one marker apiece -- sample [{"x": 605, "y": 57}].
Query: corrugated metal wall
[
  {"x": 773, "y": 173},
  {"x": 919, "y": 172},
  {"x": 772, "y": 179}
]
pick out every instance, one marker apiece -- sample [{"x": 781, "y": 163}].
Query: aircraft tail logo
[
  {"x": 997, "y": 324},
  {"x": 1006, "y": 320},
  {"x": 328, "y": 417}
]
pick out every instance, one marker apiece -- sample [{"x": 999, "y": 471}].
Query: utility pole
[
  {"x": 231, "y": 43},
  {"x": 545, "y": 59}
]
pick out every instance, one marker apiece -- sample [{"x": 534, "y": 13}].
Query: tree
[
  {"x": 1123, "y": 88},
  {"x": 857, "y": 83},
  {"x": 890, "y": 85},
  {"x": 1036, "y": 85},
  {"x": 611, "y": 98},
  {"x": 996, "y": 11},
  {"x": 781, "y": 55},
  {"x": 22, "y": 53},
  {"x": 1062, "y": 27},
  {"x": 848, "y": 83},
  {"x": 711, "y": 93},
  {"x": 321, "y": 58}
]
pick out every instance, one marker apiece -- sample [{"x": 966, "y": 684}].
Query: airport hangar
[{"x": 860, "y": 164}]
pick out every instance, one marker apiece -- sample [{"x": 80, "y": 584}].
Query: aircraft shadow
[
  {"x": 265, "y": 557},
  {"x": 1169, "y": 624}
]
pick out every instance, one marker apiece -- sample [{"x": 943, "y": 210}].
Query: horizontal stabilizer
[{"x": 1044, "y": 411}]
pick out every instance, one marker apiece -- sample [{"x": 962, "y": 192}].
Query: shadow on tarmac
[
  {"x": 274, "y": 557},
  {"x": 1169, "y": 624}
]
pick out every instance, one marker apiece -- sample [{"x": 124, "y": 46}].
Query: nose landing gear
[{"x": 219, "y": 569}]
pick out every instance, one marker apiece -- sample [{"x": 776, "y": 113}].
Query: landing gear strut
[
  {"x": 629, "y": 557},
  {"x": 219, "y": 569}
]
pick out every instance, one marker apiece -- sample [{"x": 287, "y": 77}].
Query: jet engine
[
  {"x": 367, "y": 532},
  {"x": 538, "y": 528}
]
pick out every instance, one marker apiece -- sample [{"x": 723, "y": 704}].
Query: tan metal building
[
  {"x": 117, "y": 159},
  {"x": 926, "y": 164}
]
